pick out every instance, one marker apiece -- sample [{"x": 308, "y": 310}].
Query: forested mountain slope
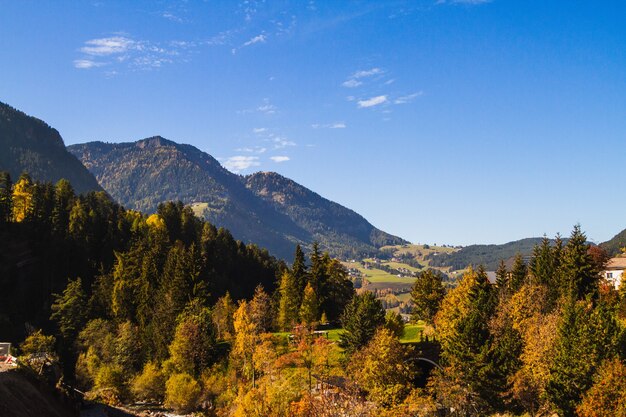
[
  {"x": 265, "y": 208},
  {"x": 28, "y": 144}
]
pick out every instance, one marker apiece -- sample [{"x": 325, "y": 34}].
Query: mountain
[
  {"x": 142, "y": 174},
  {"x": 28, "y": 144},
  {"x": 331, "y": 224},
  {"x": 614, "y": 246},
  {"x": 487, "y": 255}
]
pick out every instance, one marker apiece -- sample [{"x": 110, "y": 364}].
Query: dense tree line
[{"x": 167, "y": 308}]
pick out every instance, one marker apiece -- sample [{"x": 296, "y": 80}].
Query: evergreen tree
[
  {"x": 63, "y": 201},
  {"x": 288, "y": 306},
  {"x": 427, "y": 293},
  {"x": 502, "y": 279},
  {"x": 362, "y": 316},
  {"x": 542, "y": 265},
  {"x": 337, "y": 290},
  {"x": 585, "y": 339},
  {"x": 317, "y": 267},
  {"x": 309, "y": 307},
  {"x": 299, "y": 270},
  {"x": 6, "y": 198},
  {"x": 68, "y": 310},
  {"x": 518, "y": 273},
  {"x": 580, "y": 277}
]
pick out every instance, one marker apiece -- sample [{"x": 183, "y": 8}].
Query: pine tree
[
  {"x": 6, "y": 198},
  {"x": 309, "y": 307},
  {"x": 288, "y": 306},
  {"x": 427, "y": 294},
  {"x": 518, "y": 273},
  {"x": 362, "y": 316},
  {"x": 502, "y": 279},
  {"x": 585, "y": 339},
  {"x": 299, "y": 270},
  {"x": 580, "y": 277},
  {"x": 68, "y": 310},
  {"x": 542, "y": 264}
]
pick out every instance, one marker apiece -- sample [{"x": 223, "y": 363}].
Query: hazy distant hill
[
  {"x": 29, "y": 144},
  {"x": 142, "y": 174},
  {"x": 487, "y": 255}
]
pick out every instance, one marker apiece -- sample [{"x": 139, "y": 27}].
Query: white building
[{"x": 614, "y": 270}]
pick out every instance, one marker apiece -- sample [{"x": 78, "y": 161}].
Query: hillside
[
  {"x": 614, "y": 246},
  {"x": 487, "y": 255},
  {"x": 142, "y": 174},
  {"x": 29, "y": 144},
  {"x": 334, "y": 226}
]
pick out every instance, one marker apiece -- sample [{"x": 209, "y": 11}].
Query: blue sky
[{"x": 456, "y": 121}]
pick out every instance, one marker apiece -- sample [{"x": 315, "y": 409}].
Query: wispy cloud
[
  {"x": 267, "y": 107},
  {"x": 262, "y": 38},
  {"x": 109, "y": 46},
  {"x": 259, "y": 130},
  {"x": 256, "y": 149},
  {"x": 367, "y": 73},
  {"x": 239, "y": 163},
  {"x": 408, "y": 98},
  {"x": 352, "y": 83},
  {"x": 86, "y": 63},
  {"x": 281, "y": 142},
  {"x": 371, "y": 102},
  {"x": 354, "y": 79},
  {"x": 124, "y": 50},
  {"x": 336, "y": 125},
  {"x": 257, "y": 39},
  {"x": 171, "y": 16},
  {"x": 280, "y": 158}
]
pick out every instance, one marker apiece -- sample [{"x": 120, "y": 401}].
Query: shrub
[
  {"x": 149, "y": 384},
  {"x": 182, "y": 393}
]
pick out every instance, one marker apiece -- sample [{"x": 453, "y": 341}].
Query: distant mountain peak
[
  {"x": 154, "y": 141},
  {"x": 265, "y": 208}
]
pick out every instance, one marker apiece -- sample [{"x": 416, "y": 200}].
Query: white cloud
[
  {"x": 279, "y": 158},
  {"x": 367, "y": 73},
  {"x": 280, "y": 142},
  {"x": 122, "y": 50},
  {"x": 267, "y": 107},
  {"x": 258, "y": 130},
  {"x": 108, "y": 46},
  {"x": 86, "y": 63},
  {"x": 259, "y": 38},
  {"x": 351, "y": 83},
  {"x": 256, "y": 149},
  {"x": 241, "y": 162},
  {"x": 408, "y": 98},
  {"x": 353, "y": 80},
  {"x": 391, "y": 81},
  {"x": 172, "y": 17},
  {"x": 374, "y": 101},
  {"x": 336, "y": 125}
]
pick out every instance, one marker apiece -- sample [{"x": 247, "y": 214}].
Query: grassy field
[
  {"x": 412, "y": 333},
  {"x": 404, "y": 297},
  {"x": 378, "y": 275}
]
